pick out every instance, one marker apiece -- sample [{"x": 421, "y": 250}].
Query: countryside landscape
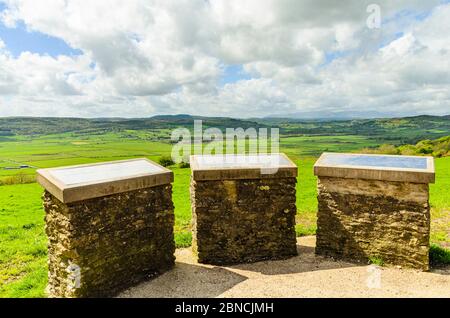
[
  {"x": 28, "y": 144},
  {"x": 224, "y": 154}
]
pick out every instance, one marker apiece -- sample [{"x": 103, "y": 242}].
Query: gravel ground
[{"x": 306, "y": 275}]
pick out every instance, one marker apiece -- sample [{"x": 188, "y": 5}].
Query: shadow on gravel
[
  {"x": 306, "y": 261},
  {"x": 188, "y": 280},
  {"x": 440, "y": 269}
]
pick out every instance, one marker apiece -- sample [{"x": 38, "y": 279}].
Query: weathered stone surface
[
  {"x": 360, "y": 219},
  {"x": 237, "y": 221},
  {"x": 100, "y": 246}
]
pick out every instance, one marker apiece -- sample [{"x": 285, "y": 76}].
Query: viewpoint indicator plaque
[
  {"x": 242, "y": 166},
  {"x": 241, "y": 161},
  {"x": 75, "y": 183},
  {"x": 103, "y": 172},
  {"x": 379, "y": 167},
  {"x": 377, "y": 161}
]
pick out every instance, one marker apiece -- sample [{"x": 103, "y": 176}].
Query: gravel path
[{"x": 306, "y": 275}]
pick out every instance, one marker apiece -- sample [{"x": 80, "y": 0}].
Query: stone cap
[
  {"x": 257, "y": 166},
  {"x": 82, "y": 182},
  {"x": 415, "y": 169}
]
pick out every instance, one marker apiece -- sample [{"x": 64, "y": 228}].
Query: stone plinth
[
  {"x": 109, "y": 226},
  {"x": 243, "y": 208},
  {"x": 374, "y": 207}
]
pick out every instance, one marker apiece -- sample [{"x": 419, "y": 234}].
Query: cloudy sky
[{"x": 238, "y": 58}]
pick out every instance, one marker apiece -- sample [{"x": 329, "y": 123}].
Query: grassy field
[
  {"x": 315, "y": 145},
  {"x": 23, "y": 249},
  {"x": 23, "y": 271}
]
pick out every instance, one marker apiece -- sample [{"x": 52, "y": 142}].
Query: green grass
[
  {"x": 439, "y": 190},
  {"x": 66, "y": 149},
  {"x": 439, "y": 256},
  {"x": 23, "y": 249},
  {"x": 376, "y": 261},
  {"x": 440, "y": 204},
  {"x": 69, "y": 149},
  {"x": 181, "y": 200},
  {"x": 305, "y": 230},
  {"x": 183, "y": 239},
  {"x": 314, "y": 145},
  {"x": 306, "y": 197}
]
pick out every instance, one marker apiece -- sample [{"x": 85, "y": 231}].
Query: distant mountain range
[
  {"x": 340, "y": 115},
  {"x": 399, "y": 130},
  {"x": 52, "y": 125}
]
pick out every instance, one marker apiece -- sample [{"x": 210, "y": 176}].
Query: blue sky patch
[
  {"x": 233, "y": 74},
  {"x": 19, "y": 39}
]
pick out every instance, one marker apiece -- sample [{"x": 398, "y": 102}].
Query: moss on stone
[
  {"x": 100, "y": 246},
  {"x": 381, "y": 224},
  {"x": 249, "y": 220}
]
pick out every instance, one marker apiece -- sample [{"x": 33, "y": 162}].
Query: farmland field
[{"x": 23, "y": 243}]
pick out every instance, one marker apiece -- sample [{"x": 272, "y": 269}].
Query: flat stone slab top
[
  {"x": 414, "y": 169},
  {"x": 82, "y": 182},
  {"x": 241, "y": 166}
]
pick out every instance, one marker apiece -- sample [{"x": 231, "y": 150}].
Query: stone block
[
  {"x": 361, "y": 216},
  {"x": 241, "y": 215},
  {"x": 101, "y": 244}
]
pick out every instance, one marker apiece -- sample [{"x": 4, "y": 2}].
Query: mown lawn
[
  {"x": 23, "y": 248},
  {"x": 440, "y": 204},
  {"x": 23, "y": 270}
]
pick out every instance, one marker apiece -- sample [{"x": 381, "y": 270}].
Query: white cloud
[
  {"x": 36, "y": 75},
  {"x": 147, "y": 57}
]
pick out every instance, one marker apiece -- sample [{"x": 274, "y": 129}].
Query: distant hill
[
  {"x": 396, "y": 131},
  {"x": 401, "y": 130},
  {"x": 335, "y": 115},
  {"x": 10, "y": 126},
  {"x": 436, "y": 148}
]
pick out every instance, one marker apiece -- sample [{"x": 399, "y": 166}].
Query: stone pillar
[
  {"x": 242, "y": 213},
  {"x": 109, "y": 226},
  {"x": 374, "y": 207}
]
